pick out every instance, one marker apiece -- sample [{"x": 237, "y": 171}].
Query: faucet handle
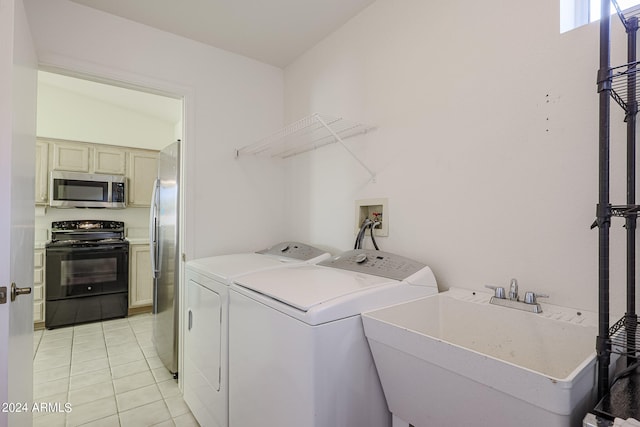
[
  {"x": 531, "y": 297},
  {"x": 513, "y": 290},
  {"x": 499, "y": 291}
]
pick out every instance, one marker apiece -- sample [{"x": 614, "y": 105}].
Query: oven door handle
[
  {"x": 153, "y": 229},
  {"x": 100, "y": 248}
]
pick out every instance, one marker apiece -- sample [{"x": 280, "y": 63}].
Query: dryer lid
[
  {"x": 305, "y": 287},
  {"x": 225, "y": 267},
  {"x": 296, "y": 251}
]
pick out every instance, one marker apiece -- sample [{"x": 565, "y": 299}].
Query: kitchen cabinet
[
  {"x": 109, "y": 160},
  {"x": 70, "y": 156},
  {"x": 142, "y": 171},
  {"x": 38, "y": 286},
  {"x": 138, "y": 165},
  {"x": 140, "y": 279},
  {"x": 92, "y": 158},
  {"x": 42, "y": 172}
]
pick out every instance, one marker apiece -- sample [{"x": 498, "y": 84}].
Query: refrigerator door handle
[
  {"x": 153, "y": 229},
  {"x": 154, "y": 306}
]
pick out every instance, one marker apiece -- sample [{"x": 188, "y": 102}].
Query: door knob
[{"x": 15, "y": 291}]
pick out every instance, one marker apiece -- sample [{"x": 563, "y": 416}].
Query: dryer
[
  {"x": 205, "y": 376},
  {"x": 297, "y": 350}
]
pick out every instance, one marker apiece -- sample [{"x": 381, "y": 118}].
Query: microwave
[{"x": 87, "y": 190}]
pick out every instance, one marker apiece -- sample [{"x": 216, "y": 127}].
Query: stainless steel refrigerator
[{"x": 163, "y": 234}]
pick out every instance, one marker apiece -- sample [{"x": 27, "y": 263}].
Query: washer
[
  {"x": 297, "y": 350},
  {"x": 205, "y": 376}
]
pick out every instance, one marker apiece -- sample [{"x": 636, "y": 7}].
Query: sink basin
[{"x": 454, "y": 359}]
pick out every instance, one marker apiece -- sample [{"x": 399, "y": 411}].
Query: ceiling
[{"x": 272, "y": 31}]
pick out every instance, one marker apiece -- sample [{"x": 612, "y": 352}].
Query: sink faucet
[
  {"x": 513, "y": 290},
  {"x": 530, "y": 302}
]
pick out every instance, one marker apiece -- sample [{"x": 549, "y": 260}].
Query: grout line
[{"x": 138, "y": 342}]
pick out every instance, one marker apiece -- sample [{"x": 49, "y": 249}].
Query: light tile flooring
[{"x": 109, "y": 373}]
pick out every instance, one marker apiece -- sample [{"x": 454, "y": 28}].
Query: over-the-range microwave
[{"x": 87, "y": 190}]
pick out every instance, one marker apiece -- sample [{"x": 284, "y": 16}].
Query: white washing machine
[
  {"x": 205, "y": 375},
  {"x": 297, "y": 350}
]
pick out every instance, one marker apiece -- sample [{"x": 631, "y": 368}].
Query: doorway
[{"x": 101, "y": 117}]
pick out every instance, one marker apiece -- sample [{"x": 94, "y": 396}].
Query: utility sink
[{"x": 454, "y": 359}]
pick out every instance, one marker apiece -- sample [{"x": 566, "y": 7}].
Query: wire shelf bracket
[
  {"x": 627, "y": 15},
  {"x": 309, "y": 133}
]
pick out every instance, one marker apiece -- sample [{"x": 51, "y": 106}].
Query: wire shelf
[
  {"x": 628, "y": 15},
  {"x": 309, "y": 133},
  {"x": 624, "y": 336},
  {"x": 624, "y": 87},
  {"x": 625, "y": 210}
]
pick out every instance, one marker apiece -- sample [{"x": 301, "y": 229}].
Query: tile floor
[{"x": 110, "y": 374}]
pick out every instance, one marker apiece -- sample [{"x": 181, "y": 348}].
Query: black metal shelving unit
[{"x": 617, "y": 83}]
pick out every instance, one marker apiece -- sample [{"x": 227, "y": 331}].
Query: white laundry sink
[{"x": 454, "y": 359}]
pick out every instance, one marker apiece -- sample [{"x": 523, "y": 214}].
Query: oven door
[{"x": 84, "y": 271}]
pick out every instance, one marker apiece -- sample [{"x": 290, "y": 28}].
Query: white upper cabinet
[
  {"x": 142, "y": 172},
  {"x": 70, "y": 157},
  {"x": 138, "y": 165},
  {"x": 109, "y": 160},
  {"x": 84, "y": 157}
]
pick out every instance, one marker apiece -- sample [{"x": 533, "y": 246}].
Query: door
[
  {"x": 18, "y": 79},
  {"x": 203, "y": 341}
]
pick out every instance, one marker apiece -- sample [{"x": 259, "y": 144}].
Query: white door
[{"x": 18, "y": 80}]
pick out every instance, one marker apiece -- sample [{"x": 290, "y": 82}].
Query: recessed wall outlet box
[{"x": 375, "y": 210}]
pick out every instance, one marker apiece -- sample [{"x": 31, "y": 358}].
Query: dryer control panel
[
  {"x": 376, "y": 263},
  {"x": 294, "y": 250}
]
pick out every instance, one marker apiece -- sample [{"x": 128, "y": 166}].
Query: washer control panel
[
  {"x": 376, "y": 263},
  {"x": 294, "y": 250}
]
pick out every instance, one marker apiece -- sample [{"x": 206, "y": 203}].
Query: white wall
[
  {"x": 486, "y": 144},
  {"x": 65, "y": 114},
  {"x": 229, "y": 102}
]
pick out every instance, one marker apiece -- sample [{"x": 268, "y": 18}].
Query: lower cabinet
[
  {"x": 38, "y": 286},
  {"x": 140, "y": 278}
]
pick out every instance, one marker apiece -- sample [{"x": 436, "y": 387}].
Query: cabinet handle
[{"x": 190, "y": 320}]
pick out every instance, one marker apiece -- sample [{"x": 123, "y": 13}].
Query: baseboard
[{"x": 140, "y": 310}]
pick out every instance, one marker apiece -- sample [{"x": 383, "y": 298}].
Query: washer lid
[{"x": 307, "y": 286}]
